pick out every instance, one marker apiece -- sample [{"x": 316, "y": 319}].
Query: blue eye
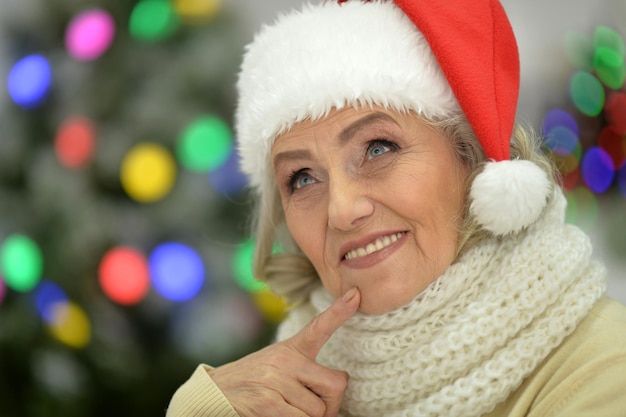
[
  {"x": 377, "y": 148},
  {"x": 300, "y": 179}
]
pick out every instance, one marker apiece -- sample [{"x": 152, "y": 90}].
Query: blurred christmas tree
[{"x": 123, "y": 219}]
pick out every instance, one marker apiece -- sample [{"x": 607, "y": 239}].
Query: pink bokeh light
[{"x": 90, "y": 34}]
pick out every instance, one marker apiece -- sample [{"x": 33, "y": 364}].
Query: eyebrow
[
  {"x": 354, "y": 128},
  {"x": 291, "y": 155},
  {"x": 344, "y": 136}
]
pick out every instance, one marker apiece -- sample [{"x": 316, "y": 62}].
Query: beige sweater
[{"x": 584, "y": 376}]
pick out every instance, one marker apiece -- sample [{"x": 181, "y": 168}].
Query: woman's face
[{"x": 374, "y": 200}]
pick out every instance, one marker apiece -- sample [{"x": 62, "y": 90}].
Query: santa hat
[{"x": 436, "y": 58}]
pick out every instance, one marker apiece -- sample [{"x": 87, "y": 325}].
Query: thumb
[{"x": 310, "y": 340}]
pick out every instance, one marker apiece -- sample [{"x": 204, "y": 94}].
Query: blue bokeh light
[
  {"x": 560, "y": 118},
  {"x": 598, "y": 169},
  {"x": 29, "y": 81},
  {"x": 177, "y": 271},
  {"x": 228, "y": 178},
  {"x": 562, "y": 140},
  {"x": 621, "y": 180},
  {"x": 48, "y": 295}
]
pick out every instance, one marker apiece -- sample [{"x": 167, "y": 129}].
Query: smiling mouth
[{"x": 379, "y": 244}]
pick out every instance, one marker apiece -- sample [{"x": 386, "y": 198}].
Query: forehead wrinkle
[
  {"x": 350, "y": 131},
  {"x": 345, "y": 135}
]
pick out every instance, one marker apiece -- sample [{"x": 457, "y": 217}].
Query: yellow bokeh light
[
  {"x": 148, "y": 172},
  {"x": 197, "y": 11},
  {"x": 271, "y": 306},
  {"x": 70, "y": 325},
  {"x": 565, "y": 163}
]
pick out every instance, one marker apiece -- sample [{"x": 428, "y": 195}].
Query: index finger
[{"x": 310, "y": 340}]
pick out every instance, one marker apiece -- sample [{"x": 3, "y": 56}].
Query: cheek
[
  {"x": 307, "y": 230},
  {"x": 435, "y": 206}
]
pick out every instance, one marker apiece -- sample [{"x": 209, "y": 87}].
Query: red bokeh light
[
  {"x": 75, "y": 142},
  {"x": 124, "y": 276},
  {"x": 614, "y": 143},
  {"x": 615, "y": 111}
]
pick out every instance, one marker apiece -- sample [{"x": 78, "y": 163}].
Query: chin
[{"x": 376, "y": 307}]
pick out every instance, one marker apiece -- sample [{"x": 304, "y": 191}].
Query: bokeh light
[
  {"x": 606, "y": 37},
  {"x": 215, "y": 324},
  {"x": 75, "y": 142},
  {"x": 123, "y": 275},
  {"x": 567, "y": 162},
  {"x": 582, "y": 208},
  {"x": 609, "y": 67},
  {"x": 571, "y": 179},
  {"x": 594, "y": 91},
  {"x": 608, "y": 59},
  {"x": 621, "y": 180},
  {"x": 205, "y": 144},
  {"x": 21, "y": 262},
  {"x": 177, "y": 271},
  {"x": 3, "y": 289},
  {"x": 615, "y": 111},
  {"x": 562, "y": 140},
  {"x": 197, "y": 11},
  {"x": 89, "y": 34},
  {"x": 597, "y": 169},
  {"x": 272, "y": 307},
  {"x": 559, "y": 118},
  {"x": 228, "y": 179},
  {"x": 148, "y": 172},
  {"x": 70, "y": 325},
  {"x": 587, "y": 93},
  {"x": 614, "y": 144},
  {"x": 29, "y": 81},
  {"x": 242, "y": 267},
  {"x": 153, "y": 20},
  {"x": 47, "y": 296},
  {"x": 579, "y": 50}
]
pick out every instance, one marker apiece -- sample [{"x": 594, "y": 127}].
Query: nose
[{"x": 348, "y": 205}]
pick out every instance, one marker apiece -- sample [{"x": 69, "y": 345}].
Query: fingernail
[{"x": 349, "y": 295}]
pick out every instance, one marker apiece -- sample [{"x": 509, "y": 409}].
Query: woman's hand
[{"x": 283, "y": 379}]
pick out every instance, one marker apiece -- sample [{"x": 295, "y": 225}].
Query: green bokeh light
[
  {"x": 609, "y": 67},
  {"x": 605, "y": 37},
  {"x": 21, "y": 262},
  {"x": 587, "y": 93},
  {"x": 242, "y": 268},
  {"x": 205, "y": 145},
  {"x": 582, "y": 208},
  {"x": 153, "y": 20}
]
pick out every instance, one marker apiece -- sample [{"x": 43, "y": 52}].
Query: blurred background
[{"x": 124, "y": 243}]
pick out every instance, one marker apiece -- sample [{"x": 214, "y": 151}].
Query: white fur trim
[
  {"x": 332, "y": 56},
  {"x": 508, "y": 196}
]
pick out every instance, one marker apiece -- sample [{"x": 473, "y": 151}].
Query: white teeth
[{"x": 378, "y": 244}]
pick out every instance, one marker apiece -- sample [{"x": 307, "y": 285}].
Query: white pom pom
[{"x": 508, "y": 196}]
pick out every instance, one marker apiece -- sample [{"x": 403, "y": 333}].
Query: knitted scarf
[{"x": 467, "y": 342}]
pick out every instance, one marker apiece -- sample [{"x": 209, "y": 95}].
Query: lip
[{"x": 373, "y": 258}]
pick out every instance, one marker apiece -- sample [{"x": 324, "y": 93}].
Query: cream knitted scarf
[{"x": 468, "y": 341}]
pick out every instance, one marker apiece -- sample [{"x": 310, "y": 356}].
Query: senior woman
[{"x": 424, "y": 246}]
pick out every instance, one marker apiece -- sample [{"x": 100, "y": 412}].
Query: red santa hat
[{"x": 437, "y": 58}]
